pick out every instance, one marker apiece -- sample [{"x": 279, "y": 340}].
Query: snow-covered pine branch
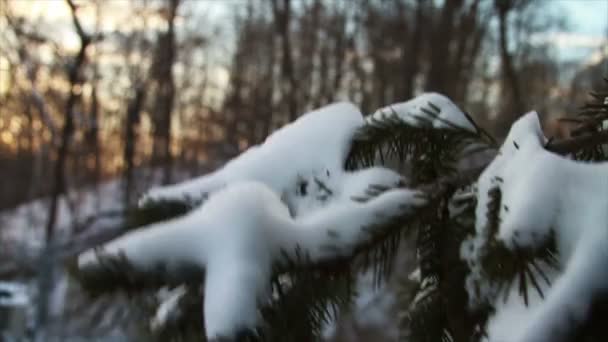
[
  {"x": 281, "y": 227},
  {"x": 237, "y": 251},
  {"x": 287, "y": 200},
  {"x": 424, "y": 138},
  {"x": 302, "y": 201},
  {"x": 544, "y": 195}
]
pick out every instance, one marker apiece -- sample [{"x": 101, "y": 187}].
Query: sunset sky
[
  {"x": 587, "y": 19},
  {"x": 585, "y": 38}
]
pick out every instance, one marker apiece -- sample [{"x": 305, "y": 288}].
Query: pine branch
[
  {"x": 579, "y": 143},
  {"x": 429, "y": 150},
  {"x": 318, "y": 289},
  {"x": 590, "y": 131}
]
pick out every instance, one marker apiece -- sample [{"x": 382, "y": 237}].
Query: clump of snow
[
  {"x": 237, "y": 251},
  {"x": 415, "y": 275},
  {"x": 13, "y": 294},
  {"x": 524, "y": 139},
  {"x": 315, "y": 143},
  {"x": 419, "y": 108},
  {"x": 544, "y": 192},
  {"x": 510, "y": 315},
  {"x": 169, "y": 307},
  {"x": 314, "y": 147}
]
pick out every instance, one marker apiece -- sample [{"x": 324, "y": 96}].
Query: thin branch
[
  {"x": 465, "y": 177},
  {"x": 68, "y": 127},
  {"x": 572, "y": 145},
  {"x": 83, "y": 35}
]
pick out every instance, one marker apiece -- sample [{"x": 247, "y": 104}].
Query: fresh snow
[
  {"x": 510, "y": 315},
  {"x": 13, "y": 294},
  {"x": 237, "y": 251},
  {"x": 314, "y": 147},
  {"x": 412, "y": 111},
  {"x": 289, "y": 196},
  {"x": 542, "y": 191}
]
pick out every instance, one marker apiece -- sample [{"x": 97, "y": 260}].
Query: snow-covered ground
[
  {"x": 22, "y": 237},
  {"x": 25, "y": 224}
]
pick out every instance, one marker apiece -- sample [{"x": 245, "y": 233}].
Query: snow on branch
[
  {"x": 545, "y": 196},
  {"x": 237, "y": 251},
  {"x": 428, "y": 134},
  {"x": 315, "y": 145},
  {"x": 431, "y": 109},
  {"x": 285, "y": 204}
]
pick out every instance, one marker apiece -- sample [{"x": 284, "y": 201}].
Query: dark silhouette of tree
[
  {"x": 164, "y": 85},
  {"x": 503, "y": 7}
]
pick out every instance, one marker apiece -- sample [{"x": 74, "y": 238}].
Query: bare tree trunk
[
  {"x": 510, "y": 77},
  {"x": 323, "y": 75},
  {"x": 310, "y": 24},
  {"x": 165, "y": 94},
  {"x": 94, "y": 135},
  {"x": 94, "y": 109},
  {"x": 468, "y": 65},
  {"x": 340, "y": 46},
  {"x": 282, "y": 17},
  {"x": 46, "y": 273},
  {"x": 133, "y": 115},
  {"x": 68, "y": 126},
  {"x": 270, "y": 88},
  {"x": 466, "y": 38},
  {"x": 440, "y": 53},
  {"x": 411, "y": 52}
]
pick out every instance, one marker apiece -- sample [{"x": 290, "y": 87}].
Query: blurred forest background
[{"x": 99, "y": 100}]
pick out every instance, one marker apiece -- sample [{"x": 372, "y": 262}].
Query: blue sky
[
  {"x": 587, "y": 28},
  {"x": 588, "y": 16}
]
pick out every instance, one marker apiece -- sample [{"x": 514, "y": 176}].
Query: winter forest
[{"x": 304, "y": 170}]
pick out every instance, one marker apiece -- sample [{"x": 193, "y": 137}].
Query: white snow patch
[
  {"x": 314, "y": 144},
  {"x": 510, "y": 315},
  {"x": 13, "y": 294},
  {"x": 237, "y": 251},
  {"x": 169, "y": 307},
  {"x": 23, "y": 227}
]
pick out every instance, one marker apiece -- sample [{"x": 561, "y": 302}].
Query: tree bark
[
  {"x": 133, "y": 115},
  {"x": 68, "y": 125},
  {"x": 282, "y": 17},
  {"x": 94, "y": 135},
  {"x": 47, "y": 257},
  {"x": 468, "y": 25},
  {"x": 509, "y": 76},
  {"x": 411, "y": 53},
  {"x": 438, "y": 77},
  {"x": 165, "y": 94}
]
